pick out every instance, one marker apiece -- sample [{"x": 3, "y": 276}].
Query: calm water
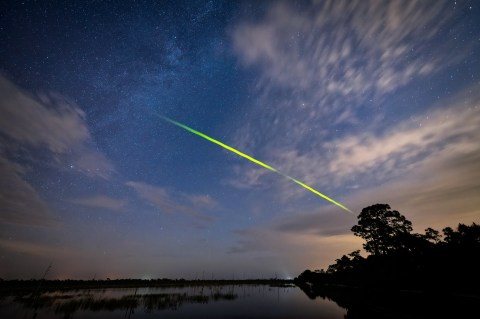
[{"x": 239, "y": 301}]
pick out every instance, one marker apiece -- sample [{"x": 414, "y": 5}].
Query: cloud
[
  {"x": 442, "y": 190},
  {"x": 159, "y": 197},
  {"x": 408, "y": 143},
  {"x": 432, "y": 193},
  {"x": 93, "y": 163},
  {"x": 102, "y": 201},
  {"x": 251, "y": 240},
  {"x": 25, "y": 259},
  {"x": 19, "y": 201},
  {"x": 29, "y": 248},
  {"x": 427, "y": 167},
  {"x": 327, "y": 73},
  {"x": 438, "y": 192},
  {"x": 203, "y": 201},
  {"x": 342, "y": 47},
  {"x": 52, "y": 123},
  {"x": 448, "y": 131},
  {"x": 30, "y": 121},
  {"x": 429, "y": 171},
  {"x": 328, "y": 222},
  {"x": 327, "y": 65},
  {"x": 35, "y": 130},
  {"x": 295, "y": 250},
  {"x": 452, "y": 130}
]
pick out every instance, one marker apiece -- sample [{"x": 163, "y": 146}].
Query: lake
[{"x": 235, "y": 301}]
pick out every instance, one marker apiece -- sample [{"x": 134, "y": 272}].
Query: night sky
[{"x": 366, "y": 101}]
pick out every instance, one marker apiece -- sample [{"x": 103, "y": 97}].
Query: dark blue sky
[{"x": 365, "y": 101}]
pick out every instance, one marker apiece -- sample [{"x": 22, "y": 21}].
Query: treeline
[{"x": 401, "y": 260}]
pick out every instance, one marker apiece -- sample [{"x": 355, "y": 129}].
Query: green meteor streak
[{"x": 231, "y": 149}]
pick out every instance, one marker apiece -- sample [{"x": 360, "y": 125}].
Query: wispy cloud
[
  {"x": 348, "y": 48},
  {"x": 449, "y": 132},
  {"x": 250, "y": 240},
  {"x": 431, "y": 194},
  {"x": 327, "y": 70},
  {"x": 295, "y": 250},
  {"x": 52, "y": 123},
  {"x": 41, "y": 122},
  {"x": 431, "y": 191},
  {"x": 427, "y": 167},
  {"x": 34, "y": 249},
  {"x": 168, "y": 202},
  {"x": 102, "y": 201},
  {"x": 19, "y": 201},
  {"x": 327, "y": 64},
  {"x": 449, "y": 129},
  {"x": 203, "y": 201},
  {"x": 327, "y": 222},
  {"x": 434, "y": 192},
  {"x": 34, "y": 128}
]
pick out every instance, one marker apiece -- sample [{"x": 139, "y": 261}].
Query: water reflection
[
  {"x": 239, "y": 301},
  {"x": 376, "y": 304},
  {"x": 236, "y": 301},
  {"x": 95, "y": 301}
]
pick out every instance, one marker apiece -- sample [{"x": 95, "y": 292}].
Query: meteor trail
[{"x": 231, "y": 149}]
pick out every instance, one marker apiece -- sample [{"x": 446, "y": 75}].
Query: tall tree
[{"x": 383, "y": 229}]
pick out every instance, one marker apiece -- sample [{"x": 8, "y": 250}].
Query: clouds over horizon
[
  {"x": 295, "y": 250},
  {"x": 348, "y": 100},
  {"x": 447, "y": 133},
  {"x": 169, "y": 202},
  {"x": 428, "y": 168},
  {"x": 46, "y": 129},
  {"x": 19, "y": 201},
  {"x": 317, "y": 131},
  {"x": 450, "y": 129}
]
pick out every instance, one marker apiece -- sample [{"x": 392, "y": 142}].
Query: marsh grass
[{"x": 70, "y": 303}]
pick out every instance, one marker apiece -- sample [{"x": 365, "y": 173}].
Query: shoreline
[{"x": 12, "y": 286}]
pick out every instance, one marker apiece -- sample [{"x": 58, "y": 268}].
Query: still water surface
[{"x": 237, "y": 301}]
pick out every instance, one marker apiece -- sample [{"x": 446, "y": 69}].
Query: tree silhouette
[
  {"x": 384, "y": 230},
  {"x": 432, "y": 235},
  {"x": 402, "y": 260},
  {"x": 464, "y": 235},
  {"x": 346, "y": 262}
]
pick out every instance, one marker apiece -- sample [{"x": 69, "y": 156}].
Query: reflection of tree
[{"x": 380, "y": 304}]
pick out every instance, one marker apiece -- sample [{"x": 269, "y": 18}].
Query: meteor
[{"x": 233, "y": 150}]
